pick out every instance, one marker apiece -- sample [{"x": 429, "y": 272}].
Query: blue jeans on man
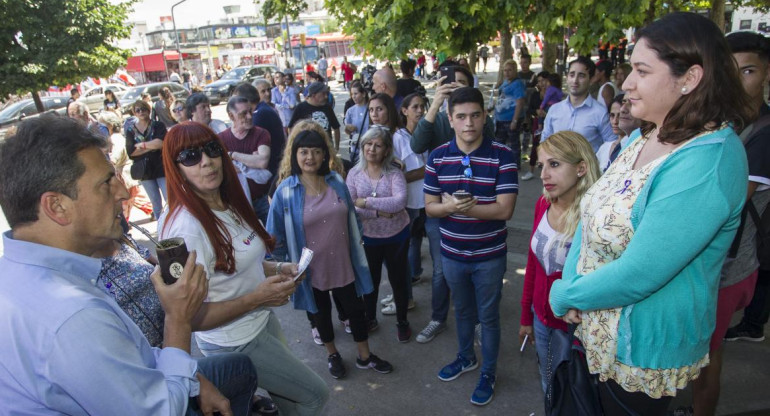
[
  {"x": 234, "y": 376},
  {"x": 476, "y": 289}
]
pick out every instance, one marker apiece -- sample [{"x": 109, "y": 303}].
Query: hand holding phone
[
  {"x": 448, "y": 73},
  {"x": 462, "y": 195}
]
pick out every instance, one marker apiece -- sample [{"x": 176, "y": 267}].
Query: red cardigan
[{"x": 537, "y": 285}]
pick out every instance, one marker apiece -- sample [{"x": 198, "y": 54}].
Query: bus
[{"x": 302, "y": 54}]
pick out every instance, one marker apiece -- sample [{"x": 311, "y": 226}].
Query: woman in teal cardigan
[{"x": 657, "y": 225}]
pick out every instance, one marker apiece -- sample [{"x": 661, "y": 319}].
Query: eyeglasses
[
  {"x": 193, "y": 156},
  {"x": 141, "y": 110},
  {"x": 178, "y": 109},
  {"x": 466, "y": 161}
]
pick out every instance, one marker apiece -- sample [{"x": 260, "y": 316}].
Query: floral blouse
[
  {"x": 607, "y": 230},
  {"x": 126, "y": 276}
]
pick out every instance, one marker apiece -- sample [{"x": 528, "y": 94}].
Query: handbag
[
  {"x": 140, "y": 169},
  {"x": 571, "y": 389}
]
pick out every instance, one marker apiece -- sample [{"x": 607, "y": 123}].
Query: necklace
[
  {"x": 317, "y": 191},
  {"x": 376, "y": 184},
  {"x": 234, "y": 217}
]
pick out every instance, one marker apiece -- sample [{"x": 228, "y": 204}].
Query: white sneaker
[
  {"x": 386, "y": 300},
  {"x": 390, "y": 309},
  {"x": 316, "y": 336},
  {"x": 527, "y": 176}
]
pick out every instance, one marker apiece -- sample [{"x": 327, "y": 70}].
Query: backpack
[
  {"x": 762, "y": 221},
  {"x": 367, "y": 77}
]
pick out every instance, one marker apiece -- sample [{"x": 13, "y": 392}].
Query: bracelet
[{"x": 278, "y": 267}]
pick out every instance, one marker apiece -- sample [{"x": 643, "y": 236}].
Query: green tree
[
  {"x": 59, "y": 42},
  {"x": 282, "y": 10}
]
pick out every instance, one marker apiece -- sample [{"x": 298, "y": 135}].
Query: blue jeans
[
  {"x": 439, "y": 287},
  {"x": 542, "y": 343},
  {"x": 154, "y": 187},
  {"x": 293, "y": 385},
  {"x": 234, "y": 376},
  {"x": 477, "y": 288},
  {"x": 261, "y": 208}
]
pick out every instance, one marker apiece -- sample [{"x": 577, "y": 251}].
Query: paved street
[{"x": 413, "y": 387}]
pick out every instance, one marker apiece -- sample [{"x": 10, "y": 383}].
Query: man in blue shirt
[
  {"x": 471, "y": 185},
  {"x": 580, "y": 112},
  {"x": 510, "y": 109},
  {"x": 66, "y": 347}
]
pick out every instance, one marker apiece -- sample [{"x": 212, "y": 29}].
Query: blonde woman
[{"x": 568, "y": 168}]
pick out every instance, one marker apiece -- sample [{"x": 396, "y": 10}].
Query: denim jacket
[{"x": 285, "y": 223}]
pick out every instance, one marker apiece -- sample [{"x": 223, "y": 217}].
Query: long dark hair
[
  {"x": 682, "y": 40},
  {"x": 394, "y": 120},
  {"x": 191, "y": 134},
  {"x": 405, "y": 104}
]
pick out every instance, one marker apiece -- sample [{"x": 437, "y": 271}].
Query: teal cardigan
[{"x": 666, "y": 281}]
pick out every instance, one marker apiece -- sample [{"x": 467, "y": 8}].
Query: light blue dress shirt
[
  {"x": 590, "y": 119},
  {"x": 67, "y": 347}
]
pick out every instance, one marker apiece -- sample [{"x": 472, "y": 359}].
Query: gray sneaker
[{"x": 431, "y": 330}]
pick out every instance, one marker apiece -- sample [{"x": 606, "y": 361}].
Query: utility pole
[{"x": 176, "y": 35}]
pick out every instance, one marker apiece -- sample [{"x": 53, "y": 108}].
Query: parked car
[
  {"x": 94, "y": 98},
  {"x": 14, "y": 113},
  {"x": 222, "y": 89},
  {"x": 135, "y": 93}
]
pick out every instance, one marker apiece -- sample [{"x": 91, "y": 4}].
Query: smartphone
[
  {"x": 449, "y": 73},
  {"x": 461, "y": 194}
]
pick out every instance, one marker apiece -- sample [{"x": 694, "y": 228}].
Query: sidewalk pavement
[{"x": 413, "y": 387}]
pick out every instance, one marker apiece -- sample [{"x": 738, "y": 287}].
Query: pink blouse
[{"x": 389, "y": 196}]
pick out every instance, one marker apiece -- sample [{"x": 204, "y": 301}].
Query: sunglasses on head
[
  {"x": 193, "y": 156},
  {"x": 178, "y": 109}
]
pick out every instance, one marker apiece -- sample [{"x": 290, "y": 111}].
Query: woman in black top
[
  {"x": 144, "y": 141},
  {"x": 111, "y": 103}
]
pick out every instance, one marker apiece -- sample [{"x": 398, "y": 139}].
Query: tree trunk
[
  {"x": 506, "y": 50},
  {"x": 38, "y": 102},
  {"x": 650, "y": 14},
  {"x": 472, "y": 58},
  {"x": 549, "y": 56},
  {"x": 718, "y": 13}
]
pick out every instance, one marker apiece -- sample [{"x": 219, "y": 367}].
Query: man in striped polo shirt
[{"x": 471, "y": 185}]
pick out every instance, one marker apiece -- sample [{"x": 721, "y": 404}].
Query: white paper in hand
[{"x": 304, "y": 261}]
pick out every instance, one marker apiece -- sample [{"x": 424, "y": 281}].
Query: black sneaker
[
  {"x": 372, "y": 325},
  {"x": 404, "y": 331},
  {"x": 336, "y": 368},
  {"x": 743, "y": 332},
  {"x": 375, "y": 363}
]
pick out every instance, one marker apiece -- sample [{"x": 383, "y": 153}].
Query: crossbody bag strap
[{"x": 289, "y": 225}]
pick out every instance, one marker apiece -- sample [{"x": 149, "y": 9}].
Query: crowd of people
[{"x": 643, "y": 242}]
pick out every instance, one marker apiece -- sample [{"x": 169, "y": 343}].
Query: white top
[
  {"x": 599, "y": 96},
  {"x": 547, "y": 246},
  {"x": 603, "y": 154},
  {"x": 249, "y": 251},
  {"x": 217, "y": 125},
  {"x": 415, "y": 198}
]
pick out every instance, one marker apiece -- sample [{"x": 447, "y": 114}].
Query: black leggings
[
  {"x": 340, "y": 312},
  {"x": 638, "y": 402},
  {"x": 351, "y": 304},
  {"x": 394, "y": 255}
]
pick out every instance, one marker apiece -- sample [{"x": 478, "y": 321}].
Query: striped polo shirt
[{"x": 493, "y": 172}]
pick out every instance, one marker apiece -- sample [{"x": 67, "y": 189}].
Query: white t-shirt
[
  {"x": 249, "y": 251},
  {"x": 603, "y": 154},
  {"x": 415, "y": 198},
  {"x": 547, "y": 246}
]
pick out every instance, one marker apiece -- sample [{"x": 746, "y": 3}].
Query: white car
[{"x": 94, "y": 98}]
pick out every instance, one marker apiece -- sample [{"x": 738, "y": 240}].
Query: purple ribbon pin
[{"x": 626, "y": 184}]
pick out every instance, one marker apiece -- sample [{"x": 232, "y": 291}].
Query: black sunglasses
[
  {"x": 193, "y": 156},
  {"x": 141, "y": 110}
]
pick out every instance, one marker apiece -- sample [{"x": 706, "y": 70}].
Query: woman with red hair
[{"x": 207, "y": 208}]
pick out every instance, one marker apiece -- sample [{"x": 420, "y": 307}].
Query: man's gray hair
[{"x": 235, "y": 100}]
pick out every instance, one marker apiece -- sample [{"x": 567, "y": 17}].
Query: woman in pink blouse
[{"x": 378, "y": 188}]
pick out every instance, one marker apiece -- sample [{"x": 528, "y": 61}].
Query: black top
[
  {"x": 323, "y": 115},
  {"x": 156, "y": 130}
]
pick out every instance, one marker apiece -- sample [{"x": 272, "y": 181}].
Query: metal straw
[{"x": 146, "y": 233}]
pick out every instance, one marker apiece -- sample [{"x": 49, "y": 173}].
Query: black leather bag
[
  {"x": 140, "y": 170},
  {"x": 572, "y": 390}
]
